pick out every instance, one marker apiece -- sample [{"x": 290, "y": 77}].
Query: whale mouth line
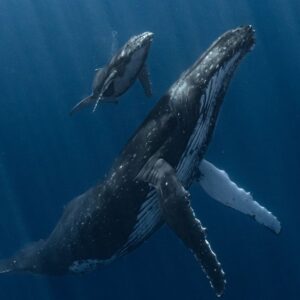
[{"x": 211, "y": 75}]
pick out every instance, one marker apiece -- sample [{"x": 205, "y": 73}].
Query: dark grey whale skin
[{"x": 97, "y": 224}]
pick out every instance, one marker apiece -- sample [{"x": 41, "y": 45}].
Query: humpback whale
[
  {"x": 115, "y": 78},
  {"x": 148, "y": 183}
]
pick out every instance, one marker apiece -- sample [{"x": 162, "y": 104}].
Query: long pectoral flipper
[
  {"x": 219, "y": 186},
  {"x": 107, "y": 89},
  {"x": 144, "y": 78},
  {"x": 181, "y": 218},
  {"x": 96, "y": 104}
]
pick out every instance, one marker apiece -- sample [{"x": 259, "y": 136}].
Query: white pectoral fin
[{"x": 220, "y": 187}]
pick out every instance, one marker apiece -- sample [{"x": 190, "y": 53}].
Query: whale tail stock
[{"x": 28, "y": 259}]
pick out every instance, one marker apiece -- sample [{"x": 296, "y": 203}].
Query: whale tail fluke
[
  {"x": 82, "y": 104},
  {"x": 6, "y": 266}
]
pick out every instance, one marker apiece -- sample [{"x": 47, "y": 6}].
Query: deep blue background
[{"x": 48, "y": 50}]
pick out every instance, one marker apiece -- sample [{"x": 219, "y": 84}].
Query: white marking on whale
[{"x": 87, "y": 265}]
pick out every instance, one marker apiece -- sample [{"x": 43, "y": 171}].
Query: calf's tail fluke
[{"x": 82, "y": 104}]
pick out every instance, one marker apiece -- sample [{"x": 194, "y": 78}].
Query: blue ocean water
[{"x": 48, "y": 52}]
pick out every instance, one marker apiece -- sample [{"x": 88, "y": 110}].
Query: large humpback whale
[
  {"x": 147, "y": 185},
  {"x": 115, "y": 78}
]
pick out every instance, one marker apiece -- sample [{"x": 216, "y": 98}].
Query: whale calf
[
  {"x": 148, "y": 184},
  {"x": 114, "y": 79}
]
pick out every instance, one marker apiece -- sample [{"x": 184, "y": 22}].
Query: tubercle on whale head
[
  {"x": 141, "y": 40},
  {"x": 229, "y": 48},
  {"x": 137, "y": 43},
  {"x": 145, "y": 38},
  {"x": 206, "y": 81}
]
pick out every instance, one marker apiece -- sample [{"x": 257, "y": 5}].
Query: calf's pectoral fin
[
  {"x": 181, "y": 218},
  {"x": 144, "y": 78},
  {"x": 97, "y": 102},
  {"x": 220, "y": 187},
  {"x": 108, "y": 86}
]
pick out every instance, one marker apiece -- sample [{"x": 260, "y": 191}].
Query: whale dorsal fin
[
  {"x": 180, "y": 217},
  {"x": 220, "y": 187},
  {"x": 144, "y": 78}
]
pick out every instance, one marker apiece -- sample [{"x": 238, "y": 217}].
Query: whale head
[
  {"x": 142, "y": 40},
  {"x": 135, "y": 51},
  {"x": 196, "y": 97},
  {"x": 124, "y": 67},
  {"x": 198, "y": 94}
]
